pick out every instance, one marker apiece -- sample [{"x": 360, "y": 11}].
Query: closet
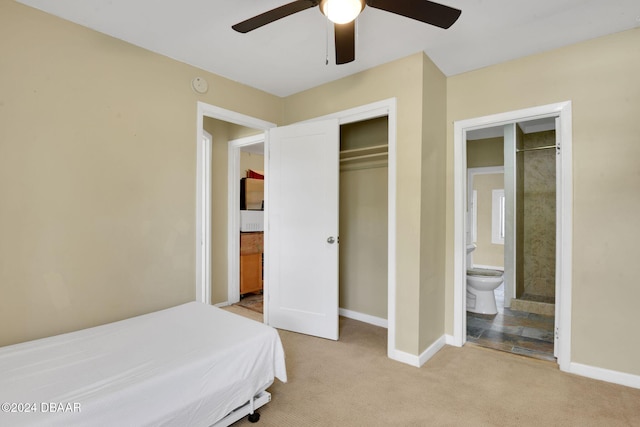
[{"x": 364, "y": 217}]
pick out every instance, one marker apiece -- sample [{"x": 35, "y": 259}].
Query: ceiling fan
[{"x": 344, "y": 12}]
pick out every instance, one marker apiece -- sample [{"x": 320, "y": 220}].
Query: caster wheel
[{"x": 253, "y": 418}]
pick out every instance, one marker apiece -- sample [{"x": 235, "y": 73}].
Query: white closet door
[{"x": 302, "y": 239}]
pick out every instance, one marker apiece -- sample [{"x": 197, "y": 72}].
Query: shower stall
[{"x": 530, "y": 201}]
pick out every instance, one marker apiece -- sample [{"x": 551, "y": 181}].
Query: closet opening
[{"x": 363, "y": 223}]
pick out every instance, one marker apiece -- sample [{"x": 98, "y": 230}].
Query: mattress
[{"x": 187, "y": 365}]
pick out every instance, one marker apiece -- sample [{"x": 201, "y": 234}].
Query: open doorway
[
  {"x": 213, "y": 234},
  {"x": 561, "y": 116},
  {"x": 246, "y": 221},
  {"x": 363, "y": 220},
  {"x": 511, "y": 237}
]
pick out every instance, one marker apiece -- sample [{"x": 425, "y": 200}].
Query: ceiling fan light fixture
[{"x": 341, "y": 11}]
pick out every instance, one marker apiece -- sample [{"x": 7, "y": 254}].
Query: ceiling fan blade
[
  {"x": 422, "y": 10},
  {"x": 345, "y": 35},
  {"x": 273, "y": 15}
]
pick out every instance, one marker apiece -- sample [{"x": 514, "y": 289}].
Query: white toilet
[{"x": 481, "y": 283}]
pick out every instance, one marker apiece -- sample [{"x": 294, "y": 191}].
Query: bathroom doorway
[
  {"x": 555, "y": 328},
  {"x": 516, "y": 210}
]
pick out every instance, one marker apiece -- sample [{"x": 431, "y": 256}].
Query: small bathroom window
[{"x": 497, "y": 217}]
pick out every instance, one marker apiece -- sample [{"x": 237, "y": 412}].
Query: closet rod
[
  {"x": 364, "y": 156},
  {"x": 546, "y": 147}
]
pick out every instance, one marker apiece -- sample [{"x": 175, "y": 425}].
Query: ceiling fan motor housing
[{"x": 341, "y": 11}]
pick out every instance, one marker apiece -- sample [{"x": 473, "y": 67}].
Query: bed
[{"x": 190, "y": 365}]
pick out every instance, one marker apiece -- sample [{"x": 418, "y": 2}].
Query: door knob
[{"x": 331, "y": 239}]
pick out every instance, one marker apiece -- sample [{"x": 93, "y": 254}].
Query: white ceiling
[{"x": 288, "y": 56}]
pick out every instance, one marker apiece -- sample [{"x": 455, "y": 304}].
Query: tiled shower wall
[{"x": 539, "y": 215}]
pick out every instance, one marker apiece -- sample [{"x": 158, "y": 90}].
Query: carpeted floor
[{"x": 351, "y": 382}]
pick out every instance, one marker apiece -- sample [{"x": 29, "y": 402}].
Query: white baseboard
[
  {"x": 406, "y": 358},
  {"x": 366, "y": 318},
  {"x": 607, "y": 375},
  {"x": 222, "y": 304},
  {"x": 432, "y": 350},
  {"x": 418, "y": 361},
  {"x": 451, "y": 340}
]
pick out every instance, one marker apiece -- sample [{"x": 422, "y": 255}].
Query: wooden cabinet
[{"x": 251, "y": 249}]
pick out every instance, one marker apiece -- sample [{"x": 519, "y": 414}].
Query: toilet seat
[{"x": 484, "y": 272}]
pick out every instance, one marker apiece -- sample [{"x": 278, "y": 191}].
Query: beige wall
[
  {"x": 97, "y": 174},
  {"x": 251, "y": 161},
  {"x": 432, "y": 204},
  {"x": 485, "y": 152},
  {"x": 363, "y": 241},
  {"x": 220, "y": 135},
  {"x": 600, "y": 77}
]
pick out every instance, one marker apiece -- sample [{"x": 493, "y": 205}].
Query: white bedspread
[{"x": 189, "y": 365}]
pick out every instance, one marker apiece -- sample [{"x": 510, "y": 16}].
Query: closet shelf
[
  {"x": 376, "y": 151},
  {"x": 365, "y": 157}
]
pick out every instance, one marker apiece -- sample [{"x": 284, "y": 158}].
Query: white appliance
[{"x": 251, "y": 221}]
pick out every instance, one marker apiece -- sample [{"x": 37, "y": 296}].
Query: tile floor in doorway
[
  {"x": 519, "y": 332},
  {"x": 252, "y": 301}
]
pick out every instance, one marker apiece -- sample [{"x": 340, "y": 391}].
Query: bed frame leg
[{"x": 254, "y": 418}]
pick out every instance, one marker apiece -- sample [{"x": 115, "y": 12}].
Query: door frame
[
  {"x": 203, "y": 283},
  {"x": 562, "y": 110},
  {"x": 386, "y": 107},
  {"x": 203, "y": 213}
]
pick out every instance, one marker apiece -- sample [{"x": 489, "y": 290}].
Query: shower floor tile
[
  {"x": 538, "y": 334},
  {"x": 538, "y": 298}
]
